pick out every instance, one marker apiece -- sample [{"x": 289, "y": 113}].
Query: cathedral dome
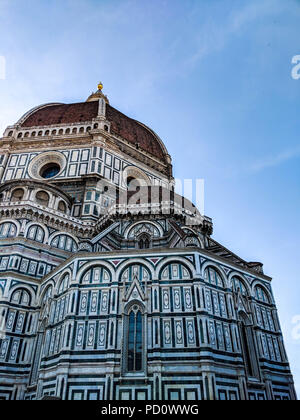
[{"x": 122, "y": 126}]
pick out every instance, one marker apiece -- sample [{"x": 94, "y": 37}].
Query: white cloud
[
  {"x": 214, "y": 35},
  {"x": 275, "y": 160}
]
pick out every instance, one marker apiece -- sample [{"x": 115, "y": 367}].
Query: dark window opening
[
  {"x": 50, "y": 170},
  {"x": 135, "y": 342},
  {"x": 144, "y": 242}
]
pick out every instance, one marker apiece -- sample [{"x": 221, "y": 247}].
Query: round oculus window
[{"x": 50, "y": 170}]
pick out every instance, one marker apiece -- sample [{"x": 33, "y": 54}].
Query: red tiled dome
[
  {"x": 62, "y": 114},
  {"x": 121, "y": 125}
]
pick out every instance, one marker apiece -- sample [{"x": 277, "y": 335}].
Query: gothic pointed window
[
  {"x": 135, "y": 341},
  {"x": 144, "y": 242}
]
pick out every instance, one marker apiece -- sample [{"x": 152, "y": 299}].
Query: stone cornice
[
  {"x": 153, "y": 252},
  {"x": 113, "y": 142},
  {"x": 50, "y": 217}
]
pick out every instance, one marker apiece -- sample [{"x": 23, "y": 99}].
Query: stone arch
[
  {"x": 45, "y": 229},
  {"x": 242, "y": 279},
  {"x": 169, "y": 260},
  {"x": 39, "y": 191},
  {"x": 137, "y": 261},
  {"x": 61, "y": 277},
  {"x": 132, "y": 226},
  {"x": 95, "y": 263},
  {"x": 51, "y": 237},
  {"x": 133, "y": 302},
  {"x": 268, "y": 293},
  {"x": 14, "y": 222},
  {"x": 44, "y": 287},
  {"x": 25, "y": 287},
  {"x": 135, "y": 173},
  {"x": 215, "y": 266},
  {"x": 14, "y": 197}
]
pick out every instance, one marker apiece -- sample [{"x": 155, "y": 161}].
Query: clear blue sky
[{"x": 211, "y": 77}]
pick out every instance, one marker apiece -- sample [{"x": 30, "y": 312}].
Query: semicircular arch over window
[
  {"x": 135, "y": 272},
  {"x": 174, "y": 271},
  {"x": 64, "y": 242},
  {"x": 213, "y": 277},
  {"x": 239, "y": 285},
  {"x": 96, "y": 274},
  {"x": 261, "y": 295},
  {"x": 64, "y": 283},
  {"x": 21, "y": 297},
  {"x": 8, "y": 230},
  {"x": 17, "y": 194},
  {"x": 36, "y": 233}
]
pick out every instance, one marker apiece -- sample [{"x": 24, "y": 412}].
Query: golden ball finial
[{"x": 100, "y": 86}]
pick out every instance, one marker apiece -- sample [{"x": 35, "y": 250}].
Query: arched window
[
  {"x": 144, "y": 242},
  {"x": 96, "y": 274},
  {"x": 21, "y": 297},
  {"x": 135, "y": 272},
  {"x": 8, "y": 230},
  {"x": 42, "y": 198},
  {"x": 47, "y": 295},
  {"x": 239, "y": 285},
  {"x": 212, "y": 276},
  {"x": 133, "y": 184},
  {"x": 36, "y": 233},
  {"x": 62, "y": 206},
  {"x": 135, "y": 340},
  {"x": 64, "y": 284},
  {"x": 175, "y": 271},
  {"x": 64, "y": 242},
  {"x": 17, "y": 194},
  {"x": 261, "y": 295}
]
